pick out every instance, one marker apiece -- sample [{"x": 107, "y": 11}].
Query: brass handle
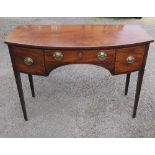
[
  {"x": 28, "y": 61},
  {"x": 102, "y": 55},
  {"x": 57, "y": 55},
  {"x": 130, "y": 59}
]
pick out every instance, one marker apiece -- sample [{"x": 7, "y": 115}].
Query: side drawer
[
  {"x": 28, "y": 60},
  {"x": 129, "y": 59}
]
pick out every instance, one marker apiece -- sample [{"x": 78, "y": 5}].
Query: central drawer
[{"x": 80, "y": 56}]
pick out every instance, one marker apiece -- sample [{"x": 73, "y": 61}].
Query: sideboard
[{"x": 38, "y": 49}]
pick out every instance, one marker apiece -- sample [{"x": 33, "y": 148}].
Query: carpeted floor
[{"x": 76, "y": 100}]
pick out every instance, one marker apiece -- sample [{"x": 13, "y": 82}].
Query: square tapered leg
[
  {"x": 138, "y": 90},
  {"x": 127, "y": 83},
  {"x": 31, "y": 84},
  {"x": 21, "y": 94}
]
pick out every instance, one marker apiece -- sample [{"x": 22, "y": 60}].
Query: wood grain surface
[{"x": 78, "y": 36}]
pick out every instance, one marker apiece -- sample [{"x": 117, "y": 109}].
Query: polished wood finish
[
  {"x": 78, "y": 36},
  {"x": 32, "y": 50}
]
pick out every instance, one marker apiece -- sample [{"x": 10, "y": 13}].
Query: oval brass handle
[
  {"x": 130, "y": 59},
  {"x": 28, "y": 61},
  {"x": 57, "y": 55},
  {"x": 102, "y": 55}
]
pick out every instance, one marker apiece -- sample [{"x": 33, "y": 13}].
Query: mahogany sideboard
[{"x": 38, "y": 49}]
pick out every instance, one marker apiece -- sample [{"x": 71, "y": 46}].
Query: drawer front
[
  {"x": 129, "y": 59},
  {"x": 80, "y": 56},
  {"x": 28, "y": 60}
]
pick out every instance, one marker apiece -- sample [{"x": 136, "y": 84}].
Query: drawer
[
  {"x": 28, "y": 60},
  {"x": 129, "y": 59},
  {"x": 80, "y": 56}
]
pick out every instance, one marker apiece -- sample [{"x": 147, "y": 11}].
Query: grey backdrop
[{"x": 76, "y": 100}]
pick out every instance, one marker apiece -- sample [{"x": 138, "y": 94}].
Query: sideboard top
[{"x": 78, "y": 36}]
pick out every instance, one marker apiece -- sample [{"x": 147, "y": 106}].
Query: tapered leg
[
  {"x": 21, "y": 94},
  {"x": 138, "y": 89},
  {"x": 31, "y": 84},
  {"x": 127, "y": 83}
]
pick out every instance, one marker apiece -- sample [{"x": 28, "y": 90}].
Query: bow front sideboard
[{"x": 38, "y": 49}]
